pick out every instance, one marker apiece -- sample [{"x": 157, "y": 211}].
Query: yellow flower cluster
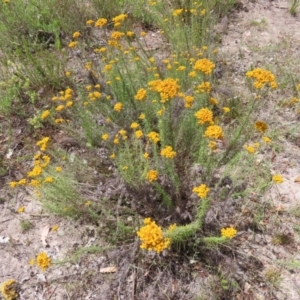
[
  {"x": 204, "y": 87},
  {"x": 228, "y": 232},
  {"x": 8, "y": 289},
  {"x": 168, "y": 152},
  {"x": 167, "y": 88},
  {"x": 277, "y": 179},
  {"x": 152, "y": 175},
  {"x": 204, "y": 65},
  {"x": 204, "y": 115},
  {"x": 262, "y": 77},
  {"x": 118, "y": 19},
  {"x": 152, "y": 237},
  {"x": 141, "y": 95},
  {"x": 214, "y": 132},
  {"x": 45, "y": 114},
  {"x": 201, "y": 190},
  {"x": 99, "y": 23},
  {"x": 177, "y": 12},
  {"x": 153, "y": 136},
  {"x": 118, "y": 106},
  {"x": 76, "y": 35},
  {"x": 261, "y": 126},
  {"x": 14, "y": 184},
  {"x": 43, "y": 143},
  {"x": 252, "y": 148},
  {"x": 43, "y": 260}
]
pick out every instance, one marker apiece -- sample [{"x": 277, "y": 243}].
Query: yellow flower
[
  {"x": 116, "y": 35},
  {"x": 104, "y": 136},
  {"x": 152, "y": 237},
  {"x": 45, "y": 114},
  {"x": 204, "y": 115},
  {"x": 76, "y": 34},
  {"x": 22, "y": 181},
  {"x": 204, "y": 87},
  {"x": 262, "y": 77},
  {"x": 168, "y": 152},
  {"x": 119, "y": 18},
  {"x": 21, "y": 209},
  {"x": 201, "y": 190},
  {"x": 152, "y": 175},
  {"x": 67, "y": 73},
  {"x": 130, "y": 33},
  {"x": 48, "y": 179},
  {"x": 181, "y": 68},
  {"x": 153, "y": 136},
  {"x": 266, "y": 139},
  {"x": 189, "y": 101},
  {"x": 88, "y": 203},
  {"x": 142, "y": 116},
  {"x": 277, "y": 178},
  {"x": 226, "y": 109},
  {"x": 214, "y": 132},
  {"x": 54, "y": 228},
  {"x": 124, "y": 168},
  {"x": 43, "y": 260},
  {"x": 143, "y": 34},
  {"x": 36, "y": 171},
  {"x": 8, "y": 289},
  {"x": 177, "y": 12},
  {"x": 168, "y": 88},
  {"x": 32, "y": 262},
  {"x": 228, "y": 232},
  {"x": 58, "y": 169},
  {"x": 13, "y": 184},
  {"x": 204, "y": 65},
  {"x": 35, "y": 183},
  {"x": 112, "y": 156},
  {"x": 261, "y": 126},
  {"x": 140, "y": 95},
  {"x": 213, "y": 145},
  {"x": 146, "y": 155},
  {"x": 298, "y": 87},
  {"x": 172, "y": 227},
  {"x": 72, "y": 44},
  {"x": 134, "y": 125},
  {"x": 58, "y": 121},
  {"x": 89, "y": 22},
  {"x": 69, "y": 103},
  {"x": 43, "y": 143},
  {"x": 213, "y": 101},
  {"x": 60, "y": 108},
  {"x": 193, "y": 74},
  {"x": 118, "y": 106},
  {"x": 138, "y": 134},
  {"x": 250, "y": 149},
  {"x": 100, "y": 22}
]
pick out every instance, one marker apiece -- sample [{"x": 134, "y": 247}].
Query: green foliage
[{"x": 26, "y": 225}]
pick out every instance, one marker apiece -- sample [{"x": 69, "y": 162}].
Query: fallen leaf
[
  {"x": 109, "y": 270},
  {"x": 44, "y": 234},
  {"x": 297, "y": 179}
]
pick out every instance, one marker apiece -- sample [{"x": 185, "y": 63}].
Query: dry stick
[
  {"x": 53, "y": 292},
  {"x": 133, "y": 284}
]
